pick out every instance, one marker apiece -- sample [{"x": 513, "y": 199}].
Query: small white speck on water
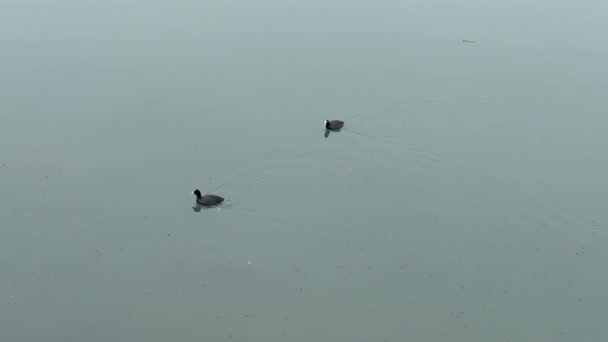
[{"x": 249, "y": 262}]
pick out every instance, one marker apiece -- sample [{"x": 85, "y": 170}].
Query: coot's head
[
  {"x": 197, "y": 193},
  {"x": 326, "y": 124}
]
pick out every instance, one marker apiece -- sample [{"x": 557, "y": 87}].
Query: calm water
[{"x": 465, "y": 199}]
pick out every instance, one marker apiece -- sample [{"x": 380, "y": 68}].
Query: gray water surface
[{"x": 464, "y": 200}]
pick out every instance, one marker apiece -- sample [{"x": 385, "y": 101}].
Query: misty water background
[{"x": 464, "y": 200}]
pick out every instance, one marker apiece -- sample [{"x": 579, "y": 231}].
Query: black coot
[
  {"x": 334, "y": 124},
  {"x": 207, "y": 199}
]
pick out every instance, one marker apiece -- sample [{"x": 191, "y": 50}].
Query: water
[{"x": 463, "y": 201}]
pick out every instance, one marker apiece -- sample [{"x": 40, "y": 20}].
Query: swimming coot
[
  {"x": 334, "y": 124},
  {"x": 207, "y": 199}
]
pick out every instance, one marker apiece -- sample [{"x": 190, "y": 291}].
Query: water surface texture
[{"x": 464, "y": 200}]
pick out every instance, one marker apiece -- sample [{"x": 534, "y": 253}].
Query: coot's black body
[
  {"x": 334, "y": 124},
  {"x": 207, "y": 199}
]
